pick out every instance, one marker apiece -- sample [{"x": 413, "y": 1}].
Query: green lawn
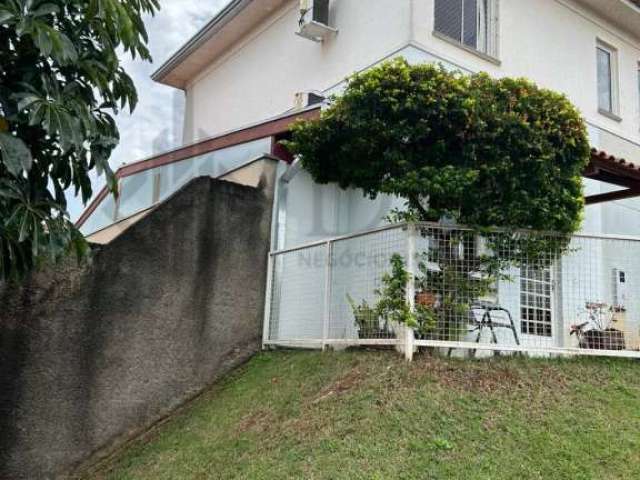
[{"x": 370, "y": 415}]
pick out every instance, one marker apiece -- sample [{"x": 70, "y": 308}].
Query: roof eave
[{"x": 226, "y": 15}]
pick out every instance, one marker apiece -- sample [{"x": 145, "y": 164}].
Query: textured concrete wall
[{"x": 91, "y": 355}]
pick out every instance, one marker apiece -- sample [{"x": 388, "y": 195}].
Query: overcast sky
[{"x": 156, "y": 125}]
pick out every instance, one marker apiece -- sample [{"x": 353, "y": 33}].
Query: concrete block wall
[{"x": 91, "y": 355}]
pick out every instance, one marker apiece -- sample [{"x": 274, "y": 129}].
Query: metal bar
[
  {"x": 599, "y": 171},
  {"x": 606, "y": 236},
  {"x": 410, "y": 289},
  {"x": 599, "y": 236},
  {"x": 306, "y": 344},
  {"x": 529, "y": 349},
  {"x": 304, "y": 246},
  {"x": 266, "y": 326},
  {"x": 608, "y": 197},
  {"x": 411, "y": 266},
  {"x": 462, "y": 346},
  {"x": 337, "y": 342},
  {"x": 326, "y": 317},
  {"x": 318, "y": 243}
]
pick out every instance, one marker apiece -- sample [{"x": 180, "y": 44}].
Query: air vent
[
  {"x": 307, "y": 99},
  {"x": 314, "y": 20}
]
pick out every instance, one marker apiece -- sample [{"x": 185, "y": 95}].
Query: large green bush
[{"x": 485, "y": 152}]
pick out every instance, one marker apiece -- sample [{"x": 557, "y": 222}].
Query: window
[
  {"x": 468, "y": 22},
  {"x": 535, "y": 301},
  {"x": 607, "y": 61}
]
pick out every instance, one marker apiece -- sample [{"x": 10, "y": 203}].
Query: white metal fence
[{"x": 466, "y": 293}]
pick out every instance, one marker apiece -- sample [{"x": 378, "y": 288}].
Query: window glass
[
  {"x": 212, "y": 164},
  {"x": 536, "y": 311},
  {"x": 231, "y": 158},
  {"x": 448, "y": 18},
  {"x": 102, "y": 216},
  {"x": 470, "y": 23},
  {"x": 465, "y": 21},
  {"x": 136, "y": 194},
  {"x": 605, "y": 90}
]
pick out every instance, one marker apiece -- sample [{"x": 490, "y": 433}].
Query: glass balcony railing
[{"x": 140, "y": 191}]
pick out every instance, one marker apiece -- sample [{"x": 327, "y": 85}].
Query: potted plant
[
  {"x": 366, "y": 319},
  {"x": 393, "y": 307},
  {"x": 426, "y": 299},
  {"x": 597, "y": 333}
]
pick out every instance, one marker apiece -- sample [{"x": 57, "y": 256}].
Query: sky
[{"x": 156, "y": 124}]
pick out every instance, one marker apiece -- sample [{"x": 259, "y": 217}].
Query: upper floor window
[
  {"x": 607, "y": 62},
  {"x": 472, "y": 23}
]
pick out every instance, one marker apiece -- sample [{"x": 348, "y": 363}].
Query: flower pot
[
  {"x": 610, "y": 339},
  {"x": 427, "y": 299}
]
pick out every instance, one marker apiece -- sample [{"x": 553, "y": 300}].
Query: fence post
[
  {"x": 327, "y": 296},
  {"x": 411, "y": 289},
  {"x": 266, "y": 324}
]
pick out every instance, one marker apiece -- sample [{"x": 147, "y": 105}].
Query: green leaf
[
  {"x": 15, "y": 154},
  {"x": 45, "y": 9},
  {"x": 5, "y": 16},
  {"x": 26, "y": 100},
  {"x": 9, "y": 190},
  {"x": 43, "y": 42},
  {"x": 24, "y": 227},
  {"x": 64, "y": 84},
  {"x": 68, "y": 50}
]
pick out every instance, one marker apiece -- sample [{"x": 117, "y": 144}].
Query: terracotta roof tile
[{"x": 621, "y": 162}]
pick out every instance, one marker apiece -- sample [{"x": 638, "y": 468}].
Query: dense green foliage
[
  {"x": 392, "y": 303},
  {"x": 485, "y": 152},
  {"x": 392, "y": 306},
  {"x": 60, "y": 84},
  {"x": 367, "y": 415}
]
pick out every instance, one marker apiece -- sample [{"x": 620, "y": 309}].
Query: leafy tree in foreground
[
  {"x": 61, "y": 82},
  {"x": 478, "y": 151}
]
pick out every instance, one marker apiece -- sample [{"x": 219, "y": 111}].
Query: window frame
[
  {"x": 638, "y": 87},
  {"x": 614, "y": 80},
  {"x": 537, "y": 303},
  {"x": 491, "y": 53}
]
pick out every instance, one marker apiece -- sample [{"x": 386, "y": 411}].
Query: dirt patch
[
  {"x": 492, "y": 376},
  {"x": 342, "y": 385},
  {"x": 258, "y": 422}
]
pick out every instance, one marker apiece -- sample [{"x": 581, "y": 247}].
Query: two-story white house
[
  {"x": 248, "y": 64},
  {"x": 261, "y": 63}
]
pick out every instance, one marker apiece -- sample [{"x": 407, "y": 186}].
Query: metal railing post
[
  {"x": 266, "y": 324},
  {"x": 411, "y": 289},
  {"x": 326, "y": 317}
]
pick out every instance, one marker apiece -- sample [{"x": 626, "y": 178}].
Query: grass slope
[{"x": 370, "y": 415}]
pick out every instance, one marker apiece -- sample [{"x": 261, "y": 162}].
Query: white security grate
[{"x": 585, "y": 301}]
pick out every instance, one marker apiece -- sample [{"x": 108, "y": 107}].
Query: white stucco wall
[
  {"x": 552, "y": 42},
  {"x": 549, "y": 41},
  {"x": 260, "y": 76}
]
